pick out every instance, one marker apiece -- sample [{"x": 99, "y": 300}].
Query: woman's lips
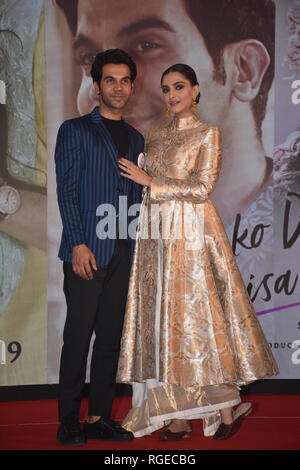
[{"x": 173, "y": 103}]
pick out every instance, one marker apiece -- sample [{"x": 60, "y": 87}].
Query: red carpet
[{"x": 273, "y": 425}]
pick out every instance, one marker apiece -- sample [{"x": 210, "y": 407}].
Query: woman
[{"x": 191, "y": 336}]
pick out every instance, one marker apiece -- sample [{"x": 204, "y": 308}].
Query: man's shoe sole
[
  {"x": 95, "y": 437},
  {"x": 70, "y": 443}
]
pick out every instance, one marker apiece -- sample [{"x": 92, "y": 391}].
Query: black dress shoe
[
  {"x": 106, "y": 429},
  {"x": 70, "y": 434}
]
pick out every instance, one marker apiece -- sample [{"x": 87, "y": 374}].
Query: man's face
[
  {"x": 115, "y": 86},
  {"x": 156, "y": 34}
]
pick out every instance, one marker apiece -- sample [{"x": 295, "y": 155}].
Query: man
[
  {"x": 230, "y": 45},
  {"x": 96, "y": 268}
]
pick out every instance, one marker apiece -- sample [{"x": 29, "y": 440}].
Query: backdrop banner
[
  {"x": 246, "y": 54},
  {"x": 23, "y": 202}
]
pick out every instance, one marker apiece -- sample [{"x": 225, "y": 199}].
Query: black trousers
[{"x": 98, "y": 306}]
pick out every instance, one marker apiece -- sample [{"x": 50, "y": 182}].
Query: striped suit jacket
[{"x": 87, "y": 175}]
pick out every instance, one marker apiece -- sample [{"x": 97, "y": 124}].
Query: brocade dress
[{"x": 191, "y": 337}]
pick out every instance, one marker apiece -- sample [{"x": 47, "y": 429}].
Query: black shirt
[{"x": 119, "y": 134}]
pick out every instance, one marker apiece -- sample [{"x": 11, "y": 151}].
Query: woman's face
[{"x": 179, "y": 93}]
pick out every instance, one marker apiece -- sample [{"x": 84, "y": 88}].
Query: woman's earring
[
  {"x": 194, "y": 106},
  {"x": 167, "y": 113}
]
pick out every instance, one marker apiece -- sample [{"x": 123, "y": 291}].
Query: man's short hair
[
  {"x": 222, "y": 22},
  {"x": 112, "y": 56}
]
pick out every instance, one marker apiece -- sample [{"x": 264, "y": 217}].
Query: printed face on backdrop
[
  {"x": 156, "y": 35},
  {"x": 161, "y": 33}
]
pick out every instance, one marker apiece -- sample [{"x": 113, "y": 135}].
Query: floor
[{"x": 274, "y": 424}]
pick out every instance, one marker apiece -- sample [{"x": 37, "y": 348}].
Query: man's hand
[{"x": 83, "y": 260}]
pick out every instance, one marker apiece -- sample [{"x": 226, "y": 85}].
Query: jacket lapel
[
  {"x": 130, "y": 154},
  {"x": 110, "y": 146},
  {"x": 107, "y": 140}
]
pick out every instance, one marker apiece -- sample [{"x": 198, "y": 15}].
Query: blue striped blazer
[{"x": 87, "y": 175}]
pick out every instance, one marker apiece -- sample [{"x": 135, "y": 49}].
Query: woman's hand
[{"x": 134, "y": 173}]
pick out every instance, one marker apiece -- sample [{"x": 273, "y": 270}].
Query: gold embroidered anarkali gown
[{"x": 191, "y": 336}]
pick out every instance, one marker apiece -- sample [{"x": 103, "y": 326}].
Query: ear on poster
[{"x": 245, "y": 64}]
